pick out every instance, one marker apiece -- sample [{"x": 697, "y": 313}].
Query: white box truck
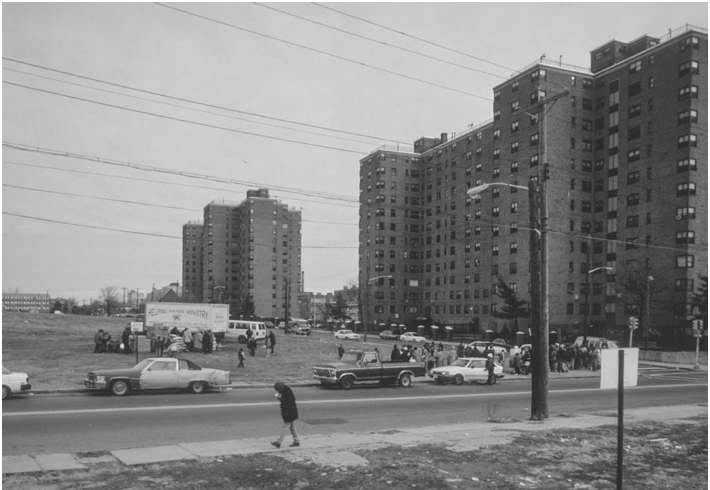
[{"x": 161, "y": 318}]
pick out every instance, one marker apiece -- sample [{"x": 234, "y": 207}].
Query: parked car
[
  {"x": 481, "y": 346},
  {"x": 502, "y": 343},
  {"x": 269, "y": 325},
  {"x": 301, "y": 329},
  {"x": 465, "y": 370},
  {"x": 411, "y": 337},
  {"x": 14, "y": 383},
  {"x": 597, "y": 342},
  {"x": 362, "y": 366},
  {"x": 388, "y": 335},
  {"x": 347, "y": 335},
  {"x": 157, "y": 373}
]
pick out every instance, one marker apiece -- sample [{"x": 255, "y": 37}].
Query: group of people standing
[
  {"x": 269, "y": 343},
  {"x": 103, "y": 342}
]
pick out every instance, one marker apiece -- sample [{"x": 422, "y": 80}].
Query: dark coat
[
  {"x": 396, "y": 355},
  {"x": 289, "y": 410}
]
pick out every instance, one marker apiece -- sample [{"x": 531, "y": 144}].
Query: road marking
[{"x": 321, "y": 402}]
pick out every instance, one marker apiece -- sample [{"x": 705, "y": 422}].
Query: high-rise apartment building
[
  {"x": 249, "y": 249},
  {"x": 625, "y": 147}
]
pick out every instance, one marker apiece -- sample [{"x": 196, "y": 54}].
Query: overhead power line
[
  {"x": 342, "y": 58},
  {"x": 204, "y": 104},
  {"x": 162, "y": 116},
  {"x": 394, "y": 46},
  {"x": 149, "y": 168},
  {"x": 413, "y": 37}
]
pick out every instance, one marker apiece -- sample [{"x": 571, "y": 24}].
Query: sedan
[
  {"x": 347, "y": 335},
  {"x": 14, "y": 383},
  {"x": 465, "y": 370},
  {"x": 388, "y": 335},
  {"x": 481, "y": 346},
  {"x": 411, "y": 337},
  {"x": 158, "y": 373}
]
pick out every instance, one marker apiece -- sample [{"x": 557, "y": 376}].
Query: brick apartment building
[
  {"x": 241, "y": 249},
  {"x": 31, "y": 302},
  {"x": 626, "y": 146}
]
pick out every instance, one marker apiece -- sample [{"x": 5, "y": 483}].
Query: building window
[
  {"x": 534, "y": 139},
  {"x": 635, "y": 66},
  {"x": 686, "y": 189},
  {"x": 689, "y": 92},
  {"x": 513, "y": 207},
  {"x": 513, "y": 248},
  {"x": 633, "y": 155},
  {"x": 686, "y": 117},
  {"x": 689, "y": 43},
  {"x": 632, "y": 221},
  {"x": 514, "y": 147},
  {"x": 634, "y": 111},
  {"x": 687, "y": 164},
  {"x": 687, "y": 140},
  {"x": 685, "y": 237},
  {"x": 685, "y": 213},
  {"x": 685, "y": 261},
  {"x": 633, "y": 177},
  {"x": 514, "y": 126},
  {"x": 688, "y": 68}
]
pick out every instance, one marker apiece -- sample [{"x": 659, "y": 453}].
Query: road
[{"x": 75, "y": 423}]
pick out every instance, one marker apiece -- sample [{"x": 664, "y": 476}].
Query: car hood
[
  {"x": 15, "y": 376},
  {"x": 116, "y": 372},
  {"x": 335, "y": 365},
  {"x": 447, "y": 370}
]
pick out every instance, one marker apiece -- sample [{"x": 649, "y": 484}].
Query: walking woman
[{"x": 289, "y": 414}]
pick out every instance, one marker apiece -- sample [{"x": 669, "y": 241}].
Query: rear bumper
[{"x": 25, "y": 387}]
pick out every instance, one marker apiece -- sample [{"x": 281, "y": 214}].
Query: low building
[{"x": 39, "y": 303}]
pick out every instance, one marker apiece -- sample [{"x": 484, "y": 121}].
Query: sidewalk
[{"x": 336, "y": 450}]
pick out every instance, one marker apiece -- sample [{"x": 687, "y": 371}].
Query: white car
[
  {"x": 411, "y": 337},
  {"x": 465, "y": 370},
  {"x": 13, "y": 383},
  {"x": 347, "y": 335}
]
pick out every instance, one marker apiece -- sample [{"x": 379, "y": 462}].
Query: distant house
[
  {"x": 163, "y": 295},
  {"x": 39, "y": 303}
]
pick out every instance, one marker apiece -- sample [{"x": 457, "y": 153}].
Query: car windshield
[
  {"x": 351, "y": 357},
  {"x": 143, "y": 364},
  {"x": 5, "y": 371},
  {"x": 460, "y": 362},
  {"x": 345, "y": 332}
]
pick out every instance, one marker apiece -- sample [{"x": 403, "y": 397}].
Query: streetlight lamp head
[
  {"x": 650, "y": 278},
  {"x": 474, "y": 191}
]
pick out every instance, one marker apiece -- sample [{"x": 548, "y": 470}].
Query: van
[
  {"x": 597, "y": 342},
  {"x": 237, "y": 329}
]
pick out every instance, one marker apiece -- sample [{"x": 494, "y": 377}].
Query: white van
[{"x": 237, "y": 329}]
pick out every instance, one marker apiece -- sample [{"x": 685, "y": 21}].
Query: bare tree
[
  {"x": 641, "y": 289},
  {"x": 109, "y": 297}
]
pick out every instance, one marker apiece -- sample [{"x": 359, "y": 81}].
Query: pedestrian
[
  {"x": 404, "y": 354},
  {"x": 126, "y": 340},
  {"x": 240, "y": 355},
  {"x": 207, "y": 342},
  {"x": 417, "y": 355},
  {"x": 267, "y": 344},
  {"x": 451, "y": 356},
  {"x": 251, "y": 345},
  {"x": 289, "y": 414},
  {"x": 98, "y": 341},
  {"x": 272, "y": 337},
  {"x": 460, "y": 350},
  {"x": 197, "y": 339},
  {"x": 515, "y": 363},
  {"x": 341, "y": 351},
  {"x": 396, "y": 355},
  {"x": 249, "y": 334},
  {"x": 490, "y": 367},
  {"x": 105, "y": 342},
  {"x": 187, "y": 337}
]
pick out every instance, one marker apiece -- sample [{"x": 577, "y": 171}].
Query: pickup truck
[{"x": 357, "y": 366}]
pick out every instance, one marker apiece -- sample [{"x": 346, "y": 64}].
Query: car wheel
[
  {"x": 119, "y": 387},
  {"x": 347, "y": 382},
  {"x": 405, "y": 381},
  {"x": 439, "y": 381},
  {"x": 197, "y": 387},
  {"x": 6, "y": 392},
  {"x": 242, "y": 339},
  {"x": 458, "y": 380}
]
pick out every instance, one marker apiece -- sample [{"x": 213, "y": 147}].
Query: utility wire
[
  {"x": 413, "y": 37},
  {"x": 379, "y": 42},
  {"x": 251, "y": 121},
  {"x": 148, "y": 168},
  {"x": 213, "y": 106},
  {"x": 342, "y": 58},
  {"x": 123, "y": 201},
  {"x": 212, "y": 126}
]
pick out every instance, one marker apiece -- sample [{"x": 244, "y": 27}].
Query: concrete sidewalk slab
[
  {"x": 159, "y": 454},
  {"x": 19, "y": 464},
  {"x": 60, "y": 461}
]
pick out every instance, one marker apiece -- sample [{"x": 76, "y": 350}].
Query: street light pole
[
  {"x": 647, "y": 319},
  {"x": 588, "y": 292}
]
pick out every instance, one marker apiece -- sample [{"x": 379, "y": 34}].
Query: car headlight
[{"x": 100, "y": 378}]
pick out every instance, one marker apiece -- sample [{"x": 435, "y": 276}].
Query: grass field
[{"x": 56, "y": 351}]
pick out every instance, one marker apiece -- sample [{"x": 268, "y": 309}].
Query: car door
[
  {"x": 476, "y": 370},
  {"x": 160, "y": 374}
]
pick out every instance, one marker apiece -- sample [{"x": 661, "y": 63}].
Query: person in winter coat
[
  {"x": 289, "y": 414},
  {"x": 490, "y": 367},
  {"x": 396, "y": 355}
]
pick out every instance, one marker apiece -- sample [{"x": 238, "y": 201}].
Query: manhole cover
[{"x": 324, "y": 421}]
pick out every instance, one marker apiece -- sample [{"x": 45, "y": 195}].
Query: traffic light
[
  {"x": 546, "y": 174},
  {"x": 633, "y": 323},
  {"x": 698, "y": 324}
]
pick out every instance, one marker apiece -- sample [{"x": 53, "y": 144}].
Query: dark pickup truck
[{"x": 362, "y": 366}]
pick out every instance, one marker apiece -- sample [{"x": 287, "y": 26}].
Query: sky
[{"x": 121, "y": 121}]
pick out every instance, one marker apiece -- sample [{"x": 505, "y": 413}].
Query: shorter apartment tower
[
  {"x": 622, "y": 149},
  {"x": 29, "y": 302},
  {"x": 249, "y": 249},
  {"x": 192, "y": 262}
]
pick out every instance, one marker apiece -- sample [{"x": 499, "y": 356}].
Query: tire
[
  {"x": 347, "y": 382},
  {"x": 120, "y": 387},
  {"x": 438, "y": 381},
  {"x": 242, "y": 339},
  {"x": 6, "y": 392},
  {"x": 458, "y": 380},
  {"x": 197, "y": 387},
  {"x": 405, "y": 381}
]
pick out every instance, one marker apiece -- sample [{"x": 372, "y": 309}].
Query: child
[{"x": 241, "y": 358}]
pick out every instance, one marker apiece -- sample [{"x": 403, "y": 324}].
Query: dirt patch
[{"x": 656, "y": 456}]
